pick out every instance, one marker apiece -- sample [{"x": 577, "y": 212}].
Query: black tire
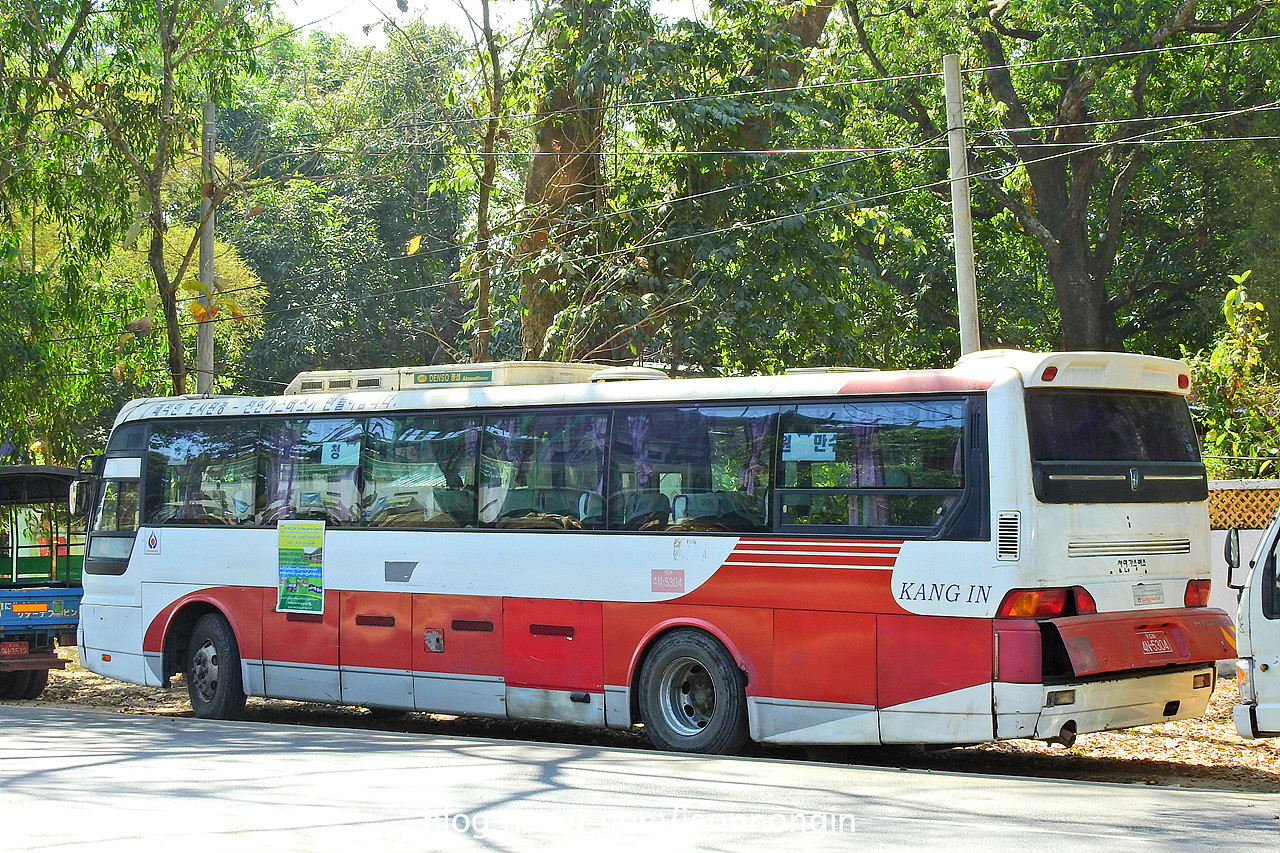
[
  {"x": 37, "y": 681},
  {"x": 213, "y": 670},
  {"x": 692, "y": 696},
  {"x": 14, "y": 684}
]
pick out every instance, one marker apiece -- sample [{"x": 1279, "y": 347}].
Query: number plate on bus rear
[
  {"x": 14, "y": 647},
  {"x": 1154, "y": 642}
]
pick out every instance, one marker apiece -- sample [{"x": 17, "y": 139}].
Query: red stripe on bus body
[
  {"x": 816, "y": 543},
  {"x": 811, "y": 560},
  {"x": 240, "y": 604},
  {"x": 857, "y": 589},
  {"x": 800, "y": 549}
]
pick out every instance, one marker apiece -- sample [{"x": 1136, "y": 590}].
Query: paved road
[{"x": 76, "y": 780}]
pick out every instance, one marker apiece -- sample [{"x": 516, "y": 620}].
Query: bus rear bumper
[{"x": 1050, "y": 711}]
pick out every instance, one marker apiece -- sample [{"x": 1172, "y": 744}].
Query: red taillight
[
  {"x": 1184, "y": 381},
  {"x": 1049, "y": 373},
  {"x": 1034, "y": 603},
  {"x": 1197, "y": 594},
  {"x": 1084, "y": 601}
]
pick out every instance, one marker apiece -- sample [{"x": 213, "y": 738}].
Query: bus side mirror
[
  {"x": 1231, "y": 553},
  {"x": 78, "y": 498}
]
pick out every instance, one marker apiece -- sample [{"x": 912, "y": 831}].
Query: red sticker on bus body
[{"x": 668, "y": 580}]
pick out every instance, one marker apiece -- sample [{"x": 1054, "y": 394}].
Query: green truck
[{"x": 41, "y": 554}]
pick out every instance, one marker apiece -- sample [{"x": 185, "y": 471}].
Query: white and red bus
[{"x": 1012, "y": 548}]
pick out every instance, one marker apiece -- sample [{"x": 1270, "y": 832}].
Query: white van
[{"x": 1258, "y": 634}]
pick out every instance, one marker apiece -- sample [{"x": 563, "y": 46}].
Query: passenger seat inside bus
[{"x": 646, "y": 511}]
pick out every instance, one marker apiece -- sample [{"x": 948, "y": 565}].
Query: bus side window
[
  {"x": 693, "y": 468},
  {"x": 1271, "y": 587},
  {"x": 539, "y": 471},
  {"x": 118, "y": 512},
  {"x": 873, "y": 463},
  {"x": 202, "y": 473},
  {"x": 311, "y": 470},
  {"x": 419, "y": 471}
]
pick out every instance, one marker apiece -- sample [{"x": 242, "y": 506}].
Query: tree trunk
[
  {"x": 489, "y": 159},
  {"x": 564, "y": 170},
  {"x": 169, "y": 304},
  {"x": 1087, "y": 323}
]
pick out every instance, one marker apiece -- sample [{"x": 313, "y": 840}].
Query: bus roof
[{"x": 974, "y": 373}]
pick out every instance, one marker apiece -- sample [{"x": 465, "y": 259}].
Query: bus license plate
[
  {"x": 1154, "y": 643},
  {"x": 14, "y": 647}
]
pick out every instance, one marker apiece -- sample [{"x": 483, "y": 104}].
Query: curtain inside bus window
[
  {"x": 1113, "y": 446},
  {"x": 420, "y": 471},
  {"x": 311, "y": 469},
  {"x": 872, "y": 463},
  {"x": 541, "y": 471},
  {"x": 202, "y": 473},
  {"x": 704, "y": 468}
]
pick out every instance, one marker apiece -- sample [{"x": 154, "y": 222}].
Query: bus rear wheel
[
  {"x": 213, "y": 670},
  {"x": 692, "y": 697}
]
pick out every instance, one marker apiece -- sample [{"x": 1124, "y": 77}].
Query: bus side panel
[
  {"x": 457, "y": 634},
  {"x": 825, "y": 657},
  {"x": 457, "y": 654},
  {"x": 553, "y": 645},
  {"x": 934, "y": 679},
  {"x": 300, "y": 651},
  {"x": 375, "y": 637}
]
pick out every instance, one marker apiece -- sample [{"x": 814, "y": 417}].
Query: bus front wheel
[
  {"x": 213, "y": 670},
  {"x": 692, "y": 697}
]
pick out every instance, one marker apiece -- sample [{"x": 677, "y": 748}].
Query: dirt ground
[{"x": 1201, "y": 753}]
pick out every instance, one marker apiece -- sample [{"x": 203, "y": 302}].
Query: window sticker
[
  {"x": 809, "y": 446},
  {"x": 341, "y": 453}
]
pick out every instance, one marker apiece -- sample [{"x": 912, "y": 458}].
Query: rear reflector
[
  {"x": 1197, "y": 594},
  {"x": 107, "y": 658},
  {"x": 1049, "y": 373},
  {"x": 1184, "y": 381},
  {"x": 1084, "y": 601}
]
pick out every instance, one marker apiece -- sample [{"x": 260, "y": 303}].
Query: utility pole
[
  {"x": 961, "y": 211},
  {"x": 204, "y": 330}
]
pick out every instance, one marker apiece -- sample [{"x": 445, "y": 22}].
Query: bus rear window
[
  {"x": 1109, "y": 426},
  {"x": 1090, "y": 446}
]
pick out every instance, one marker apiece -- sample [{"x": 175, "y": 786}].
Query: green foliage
[
  {"x": 341, "y": 150},
  {"x": 1236, "y": 402}
]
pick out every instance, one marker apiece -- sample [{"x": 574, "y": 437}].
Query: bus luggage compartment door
[{"x": 554, "y": 660}]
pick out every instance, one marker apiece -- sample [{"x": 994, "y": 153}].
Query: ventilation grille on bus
[
  {"x": 1127, "y": 547},
  {"x": 1008, "y": 531}
]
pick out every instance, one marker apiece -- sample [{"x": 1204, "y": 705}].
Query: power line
[{"x": 862, "y": 202}]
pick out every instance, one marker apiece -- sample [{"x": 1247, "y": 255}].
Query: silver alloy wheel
[
  {"x": 687, "y": 696},
  {"x": 204, "y": 670}
]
